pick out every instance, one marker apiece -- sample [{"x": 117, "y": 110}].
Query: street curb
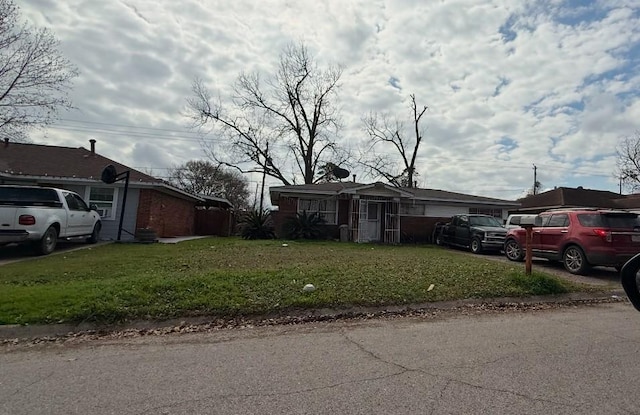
[{"x": 52, "y": 331}]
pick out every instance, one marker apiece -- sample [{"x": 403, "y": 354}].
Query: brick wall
[
  {"x": 287, "y": 207},
  {"x": 213, "y": 222},
  {"x": 167, "y": 215}
]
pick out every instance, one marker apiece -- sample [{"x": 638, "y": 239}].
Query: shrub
[
  {"x": 305, "y": 226},
  {"x": 257, "y": 225}
]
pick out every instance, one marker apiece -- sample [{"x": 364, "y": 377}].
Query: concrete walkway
[{"x": 178, "y": 239}]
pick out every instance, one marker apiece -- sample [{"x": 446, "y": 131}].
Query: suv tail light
[
  {"x": 604, "y": 234},
  {"x": 27, "y": 220}
]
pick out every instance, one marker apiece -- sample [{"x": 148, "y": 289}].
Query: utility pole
[
  {"x": 620, "y": 178},
  {"x": 535, "y": 179},
  {"x": 264, "y": 176}
]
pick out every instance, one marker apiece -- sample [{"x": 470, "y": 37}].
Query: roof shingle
[{"x": 19, "y": 159}]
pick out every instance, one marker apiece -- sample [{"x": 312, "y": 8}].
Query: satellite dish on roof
[
  {"x": 109, "y": 174},
  {"x": 340, "y": 173}
]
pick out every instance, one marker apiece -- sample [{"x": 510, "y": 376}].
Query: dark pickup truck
[{"x": 477, "y": 232}]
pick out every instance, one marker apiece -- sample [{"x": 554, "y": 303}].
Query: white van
[{"x": 513, "y": 221}]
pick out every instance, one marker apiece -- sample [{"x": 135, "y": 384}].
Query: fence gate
[
  {"x": 354, "y": 220},
  {"x": 392, "y": 222}
]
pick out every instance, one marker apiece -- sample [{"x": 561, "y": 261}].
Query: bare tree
[
  {"x": 34, "y": 77},
  {"x": 628, "y": 161},
  {"x": 535, "y": 189},
  {"x": 285, "y": 127},
  {"x": 388, "y": 132},
  {"x": 205, "y": 178}
]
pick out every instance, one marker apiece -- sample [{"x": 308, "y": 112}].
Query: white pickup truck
[{"x": 42, "y": 215}]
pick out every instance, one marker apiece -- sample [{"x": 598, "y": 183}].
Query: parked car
[
  {"x": 513, "y": 221},
  {"x": 41, "y": 215},
  {"x": 579, "y": 238},
  {"x": 477, "y": 232}
]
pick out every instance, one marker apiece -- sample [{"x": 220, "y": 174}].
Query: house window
[
  {"x": 412, "y": 209},
  {"x": 486, "y": 211},
  {"x": 325, "y": 208},
  {"x": 105, "y": 198}
]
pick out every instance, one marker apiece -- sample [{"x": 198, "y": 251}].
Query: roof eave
[{"x": 87, "y": 181}]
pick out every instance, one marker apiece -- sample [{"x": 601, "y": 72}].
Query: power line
[
  {"x": 123, "y": 133},
  {"x": 126, "y": 126},
  {"x": 200, "y": 139}
]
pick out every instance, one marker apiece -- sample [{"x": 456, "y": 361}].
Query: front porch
[{"x": 374, "y": 219}]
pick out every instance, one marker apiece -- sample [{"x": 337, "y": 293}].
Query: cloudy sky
[{"x": 508, "y": 83}]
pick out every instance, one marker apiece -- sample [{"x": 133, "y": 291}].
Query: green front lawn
[{"x": 229, "y": 276}]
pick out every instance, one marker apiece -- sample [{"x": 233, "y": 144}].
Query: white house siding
[
  {"x": 110, "y": 226},
  {"x": 443, "y": 211},
  {"x": 110, "y": 229}
]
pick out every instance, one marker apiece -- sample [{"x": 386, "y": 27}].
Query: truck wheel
[
  {"x": 47, "y": 244},
  {"x": 574, "y": 260},
  {"x": 95, "y": 235},
  {"x": 476, "y": 245},
  {"x": 513, "y": 251}
]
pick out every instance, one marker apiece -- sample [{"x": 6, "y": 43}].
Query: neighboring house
[
  {"x": 378, "y": 212},
  {"x": 151, "y": 203},
  {"x": 568, "y": 197},
  {"x": 629, "y": 202}
]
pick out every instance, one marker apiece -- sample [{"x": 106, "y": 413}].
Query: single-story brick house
[
  {"x": 151, "y": 203},
  {"x": 378, "y": 212}
]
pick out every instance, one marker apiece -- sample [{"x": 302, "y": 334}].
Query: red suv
[{"x": 580, "y": 238}]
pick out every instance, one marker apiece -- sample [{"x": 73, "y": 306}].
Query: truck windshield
[{"x": 484, "y": 221}]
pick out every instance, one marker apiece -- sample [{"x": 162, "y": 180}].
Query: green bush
[
  {"x": 257, "y": 225},
  {"x": 305, "y": 226}
]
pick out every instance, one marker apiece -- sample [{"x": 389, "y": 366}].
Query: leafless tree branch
[
  {"x": 34, "y": 76},
  {"x": 628, "y": 161},
  {"x": 292, "y": 115},
  {"x": 384, "y": 132}
]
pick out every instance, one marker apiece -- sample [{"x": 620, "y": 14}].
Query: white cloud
[{"x": 561, "y": 83}]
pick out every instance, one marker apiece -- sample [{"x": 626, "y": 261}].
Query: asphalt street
[{"x": 576, "y": 360}]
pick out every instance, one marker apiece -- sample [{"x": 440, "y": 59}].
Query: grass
[{"x": 229, "y": 276}]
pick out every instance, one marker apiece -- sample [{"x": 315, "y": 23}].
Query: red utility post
[
  {"x": 527, "y": 266},
  {"x": 528, "y": 222}
]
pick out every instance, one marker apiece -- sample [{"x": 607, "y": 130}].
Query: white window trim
[
  {"x": 114, "y": 210},
  {"x": 335, "y": 216}
]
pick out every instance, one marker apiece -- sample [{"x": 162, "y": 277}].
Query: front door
[
  {"x": 369, "y": 221},
  {"x": 373, "y": 221}
]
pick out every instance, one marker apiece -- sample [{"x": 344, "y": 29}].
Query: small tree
[
  {"x": 34, "y": 76},
  {"x": 205, "y": 178},
  {"x": 388, "y": 132},
  {"x": 628, "y": 161},
  {"x": 535, "y": 189}
]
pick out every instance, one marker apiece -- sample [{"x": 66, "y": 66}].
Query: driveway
[
  {"x": 602, "y": 276},
  {"x": 14, "y": 253}
]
